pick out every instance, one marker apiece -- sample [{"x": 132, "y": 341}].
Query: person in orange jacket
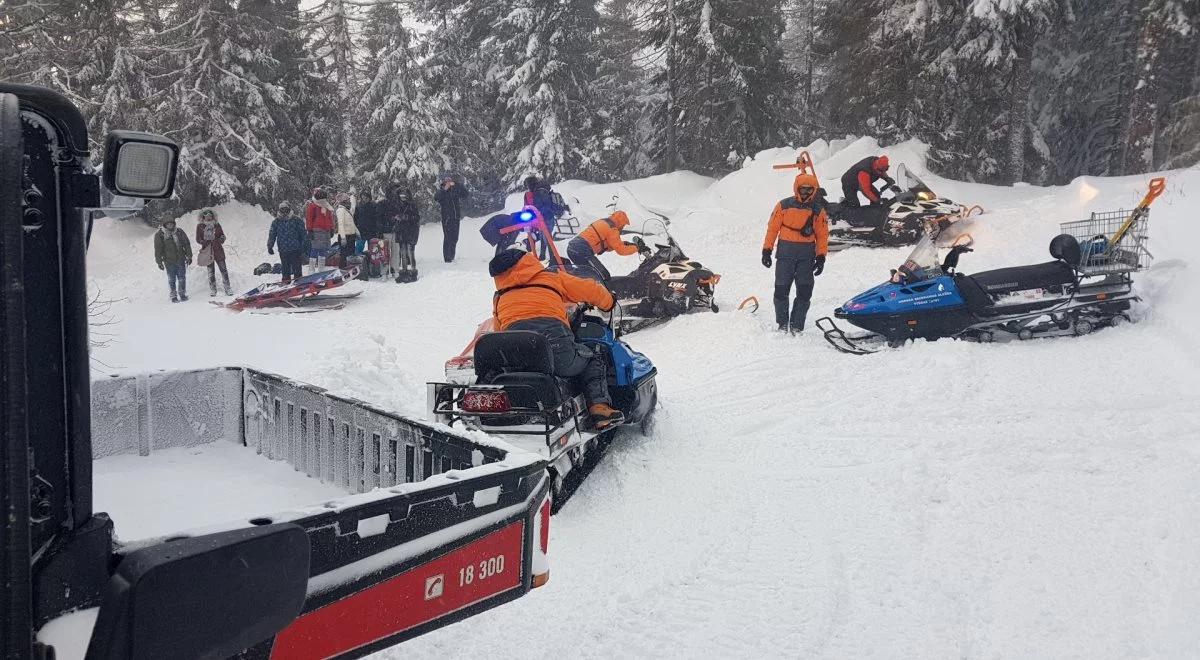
[
  {"x": 529, "y": 297},
  {"x": 800, "y": 228},
  {"x": 600, "y": 237}
]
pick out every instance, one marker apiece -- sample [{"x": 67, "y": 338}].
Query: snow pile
[{"x": 947, "y": 499}]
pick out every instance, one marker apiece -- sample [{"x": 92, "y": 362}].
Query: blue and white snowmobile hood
[{"x": 898, "y": 298}]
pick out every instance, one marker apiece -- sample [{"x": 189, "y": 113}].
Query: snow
[
  {"x": 180, "y": 488},
  {"x": 945, "y": 499}
]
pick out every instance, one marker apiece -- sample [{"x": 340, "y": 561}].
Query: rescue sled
[{"x": 306, "y": 294}]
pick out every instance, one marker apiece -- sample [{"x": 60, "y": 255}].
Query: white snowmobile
[{"x": 901, "y": 220}]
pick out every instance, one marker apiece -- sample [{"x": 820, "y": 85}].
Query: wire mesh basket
[{"x": 1112, "y": 241}]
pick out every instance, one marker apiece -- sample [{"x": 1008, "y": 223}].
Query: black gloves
[
  {"x": 641, "y": 245},
  {"x": 270, "y": 250},
  {"x": 766, "y": 260},
  {"x": 819, "y": 265},
  {"x": 162, "y": 266}
]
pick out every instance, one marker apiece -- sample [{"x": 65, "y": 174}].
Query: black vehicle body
[
  {"x": 269, "y": 586},
  {"x": 899, "y": 220},
  {"x": 663, "y": 286}
]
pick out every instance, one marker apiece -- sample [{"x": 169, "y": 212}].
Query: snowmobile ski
[{"x": 862, "y": 344}]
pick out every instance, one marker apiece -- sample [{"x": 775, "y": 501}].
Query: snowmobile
[
  {"x": 900, "y": 220},
  {"x": 516, "y": 396},
  {"x": 1088, "y": 285},
  {"x": 665, "y": 285},
  {"x": 305, "y": 294}
]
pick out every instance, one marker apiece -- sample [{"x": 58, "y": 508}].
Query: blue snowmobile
[
  {"x": 516, "y": 396},
  {"x": 1087, "y": 286}
]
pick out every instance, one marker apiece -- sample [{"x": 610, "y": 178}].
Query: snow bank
[{"x": 946, "y": 499}]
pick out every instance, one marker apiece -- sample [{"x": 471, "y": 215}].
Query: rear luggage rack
[{"x": 1101, "y": 254}]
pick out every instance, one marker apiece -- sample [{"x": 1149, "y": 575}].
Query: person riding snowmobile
[
  {"x": 801, "y": 227},
  {"x": 529, "y": 297},
  {"x": 600, "y": 237},
  {"x": 861, "y": 177}
]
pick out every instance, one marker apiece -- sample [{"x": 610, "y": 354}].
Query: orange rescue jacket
[
  {"x": 605, "y": 234},
  {"x": 799, "y": 220},
  {"x": 526, "y": 290}
]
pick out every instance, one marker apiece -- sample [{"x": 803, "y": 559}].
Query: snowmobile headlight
[
  {"x": 925, "y": 196},
  {"x": 140, "y": 165}
]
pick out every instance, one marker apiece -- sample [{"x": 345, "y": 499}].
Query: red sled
[{"x": 304, "y": 294}]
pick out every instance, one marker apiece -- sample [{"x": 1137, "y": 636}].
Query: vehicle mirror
[
  {"x": 203, "y": 597},
  {"x": 140, "y": 164}
]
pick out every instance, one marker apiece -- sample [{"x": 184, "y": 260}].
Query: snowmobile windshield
[
  {"x": 922, "y": 263},
  {"x": 910, "y": 182}
]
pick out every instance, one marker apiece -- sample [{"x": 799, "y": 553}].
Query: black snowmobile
[
  {"x": 901, "y": 220},
  {"x": 665, "y": 285},
  {"x": 1088, "y": 285}
]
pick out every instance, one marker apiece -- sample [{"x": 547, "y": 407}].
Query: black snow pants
[
  {"x": 449, "y": 238},
  {"x": 581, "y": 255},
  {"x": 571, "y": 359},
  {"x": 793, "y": 265}
]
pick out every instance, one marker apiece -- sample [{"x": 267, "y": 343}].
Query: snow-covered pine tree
[
  {"x": 460, "y": 52},
  {"x": 402, "y": 128},
  {"x": 619, "y": 97},
  {"x": 996, "y": 43},
  {"x": 331, "y": 23},
  {"x": 727, "y": 89},
  {"x": 220, "y": 101},
  {"x": 547, "y": 63}
]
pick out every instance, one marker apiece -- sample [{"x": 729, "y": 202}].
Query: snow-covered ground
[{"x": 946, "y": 499}]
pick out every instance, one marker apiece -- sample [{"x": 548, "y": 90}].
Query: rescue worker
[
  {"x": 529, "y": 297},
  {"x": 861, "y": 178},
  {"x": 802, "y": 229},
  {"x": 600, "y": 237}
]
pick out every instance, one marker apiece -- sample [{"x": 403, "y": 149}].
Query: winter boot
[
  {"x": 605, "y": 416},
  {"x": 174, "y": 297}
]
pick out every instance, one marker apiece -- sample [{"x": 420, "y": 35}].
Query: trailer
[{"x": 417, "y": 526}]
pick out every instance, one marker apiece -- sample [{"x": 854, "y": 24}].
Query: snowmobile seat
[
  {"x": 1050, "y": 275},
  {"x": 1065, "y": 248},
  {"x": 513, "y": 351},
  {"x": 857, "y": 216}
]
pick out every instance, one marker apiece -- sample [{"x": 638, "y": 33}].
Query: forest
[{"x": 270, "y": 98}]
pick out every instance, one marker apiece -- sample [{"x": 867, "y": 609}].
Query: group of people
[
  {"x": 173, "y": 254},
  {"x": 381, "y": 236},
  {"x": 531, "y": 297}
]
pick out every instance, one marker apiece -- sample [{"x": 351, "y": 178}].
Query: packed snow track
[{"x": 948, "y": 499}]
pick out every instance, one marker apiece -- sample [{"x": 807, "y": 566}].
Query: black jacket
[
  {"x": 404, "y": 218},
  {"x": 851, "y": 180},
  {"x": 368, "y": 217},
  {"x": 451, "y": 201}
]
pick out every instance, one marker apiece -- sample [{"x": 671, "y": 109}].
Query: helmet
[
  {"x": 882, "y": 164},
  {"x": 620, "y": 219},
  {"x": 531, "y": 182}
]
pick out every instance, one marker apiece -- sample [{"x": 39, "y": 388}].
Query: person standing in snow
[
  {"x": 406, "y": 219},
  {"x": 211, "y": 239},
  {"x": 346, "y": 229},
  {"x": 861, "y": 178},
  {"x": 450, "y": 196},
  {"x": 539, "y": 195},
  {"x": 173, "y": 253},
  {"x": 319, "y": 222},
  {"x": 368, "y": 219},
  {"x": 801, "y": 227},
  {"x": 288, "y": 233},
  {"x": 600, "y": 237}
]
